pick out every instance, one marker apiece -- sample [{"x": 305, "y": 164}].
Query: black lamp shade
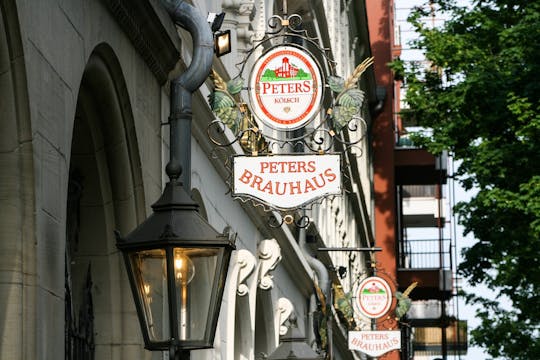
[{"x": 177, "y": 265}]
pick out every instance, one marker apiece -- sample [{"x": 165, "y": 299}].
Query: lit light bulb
[
  {"x": 146, "y": 289},
  {"x": 184, "y": 270}
]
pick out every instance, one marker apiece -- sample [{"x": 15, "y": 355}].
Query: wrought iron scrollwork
[
  {"x": 301, "y": 221},
  {"x": 340, "y": 127}
]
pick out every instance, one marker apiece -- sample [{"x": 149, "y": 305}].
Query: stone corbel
[
  {"x": 285, "y": 308},
  {"x": 242, "y": 11},
  {"x": 269, "y": 256},
  {"x": 246, "y": 262}
]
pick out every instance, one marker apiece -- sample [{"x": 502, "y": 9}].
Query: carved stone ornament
[
  {"x": 246, "y": 263},
  {"x": 269, "y": 256},
  {"x": 285, "y": 308},
  {"x": 241, "y": 7}
]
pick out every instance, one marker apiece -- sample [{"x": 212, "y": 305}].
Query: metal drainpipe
[
  {"x": 324, "y": 282},
  {"x": 182, "y": 88}
]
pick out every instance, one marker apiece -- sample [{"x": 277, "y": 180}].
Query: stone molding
[{"x": 144, "y": 23}]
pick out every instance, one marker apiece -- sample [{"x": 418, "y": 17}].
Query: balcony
[
  {"x": 429, "y": 341},
  {"x": 427, "y": 262},
  {"x": 423, "y": 212},
  {"x": 422, "y": 206},
  {"x": 415, "y": 166}
]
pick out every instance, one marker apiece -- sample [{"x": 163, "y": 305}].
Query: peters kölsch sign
[{"x": 285, "y": 88}]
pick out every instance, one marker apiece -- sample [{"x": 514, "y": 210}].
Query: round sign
[
  {"x": 373, "y": 297},
  {"x": 285, "y": 88}
]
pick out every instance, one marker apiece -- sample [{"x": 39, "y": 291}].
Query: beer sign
[
  {"x": 285, "y": 88},
  {"x": 373, "y": 297},
  {"x": 287, "y": 181},
  {"x": 375, "y": 343}
]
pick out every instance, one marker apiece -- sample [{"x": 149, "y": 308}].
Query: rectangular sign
[
  {"x": 375, "y": 343},
  {"x": 287, "y": 181}
]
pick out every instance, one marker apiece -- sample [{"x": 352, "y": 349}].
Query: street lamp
[
  {"x": 176, "y": 262},
  {"x": 177, "y": 266}
]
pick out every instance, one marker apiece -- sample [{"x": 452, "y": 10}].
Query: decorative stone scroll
[
  {"x": 285, "y": 308},
  {"x": 246, "y": 262},
  {"x": 269, "y": 256}
]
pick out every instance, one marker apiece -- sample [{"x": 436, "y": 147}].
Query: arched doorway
[
  {"x": 17, "y": 241},
  {"x": 105, "y": 194}
]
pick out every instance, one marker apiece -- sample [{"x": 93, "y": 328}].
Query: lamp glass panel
[
  {"x": 150, "y": 276},
  {"x": 223, "y": 45},
  {"x": 194, "y": 290}
]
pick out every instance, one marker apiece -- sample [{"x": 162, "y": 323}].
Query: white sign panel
[
  {"x": 287, "y": 181},
  {"x": 285, "y": 88},
  {"x": 375, "y": 343},
  {"x": 373, "y": 297}
]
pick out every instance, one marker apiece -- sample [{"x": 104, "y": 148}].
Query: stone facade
[{"x": 83, "y": 95}]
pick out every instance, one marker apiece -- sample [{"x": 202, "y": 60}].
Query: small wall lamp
[
  {"x": 222, "y": 38},
  {"x": 222, "y": 41}
]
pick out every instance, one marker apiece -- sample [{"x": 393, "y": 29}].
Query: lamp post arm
[{"x": 182, "y": 88}]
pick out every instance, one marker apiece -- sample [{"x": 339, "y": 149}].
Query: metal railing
[{"x": 425, "y": 253}]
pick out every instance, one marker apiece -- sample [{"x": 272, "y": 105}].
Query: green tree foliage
[{"x": 480, "y": 95}]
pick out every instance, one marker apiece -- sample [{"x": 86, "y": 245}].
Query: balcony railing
[{"x": 425, "y": 254}]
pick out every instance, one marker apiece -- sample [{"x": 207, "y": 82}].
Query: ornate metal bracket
[{"x": 339, "y": 127}]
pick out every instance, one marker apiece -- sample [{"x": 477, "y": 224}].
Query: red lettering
[
  {"x": 257, "y": 180},
  {"x": 266, "y": 87},
  {"x": 268, "y": 188},
  {"x": 295, "y": 186},
  {"x": 330, "y": 175},
  {"x": 309, "y": 186},
  {"x": 284, "y": 188},
  {"x": 286, "y": 88},
  {"x": 317, "y": 183},
  {"x": 292, "y": 166},
  {"x": 245, "y": 176},
  {"x": 264, "y": 165}
]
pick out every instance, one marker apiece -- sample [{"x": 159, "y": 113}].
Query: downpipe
[
  {"x": 324, "y": 283},
  {"x": 182, "y": 88}
]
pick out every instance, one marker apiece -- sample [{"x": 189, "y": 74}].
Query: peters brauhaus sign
[{"x": 287, "y": 181}]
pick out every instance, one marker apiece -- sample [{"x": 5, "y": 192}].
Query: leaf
[
  {"x": 336, "y": 84},
  {"x": 229, "y": 116},
  {"x": 220, "y": 99},
  {"x": 352, "y": 97},
  {"x": 235, "y": 85},
  {"x": 343, "y": 114}
]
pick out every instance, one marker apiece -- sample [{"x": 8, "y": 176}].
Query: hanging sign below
[
  {"x": 285, "y": 88},
  {"x": 287, "y": 181},
  {"x": 375, "y": 343}
]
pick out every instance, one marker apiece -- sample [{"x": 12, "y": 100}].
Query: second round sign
[{"x": 373, "y": 297}]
